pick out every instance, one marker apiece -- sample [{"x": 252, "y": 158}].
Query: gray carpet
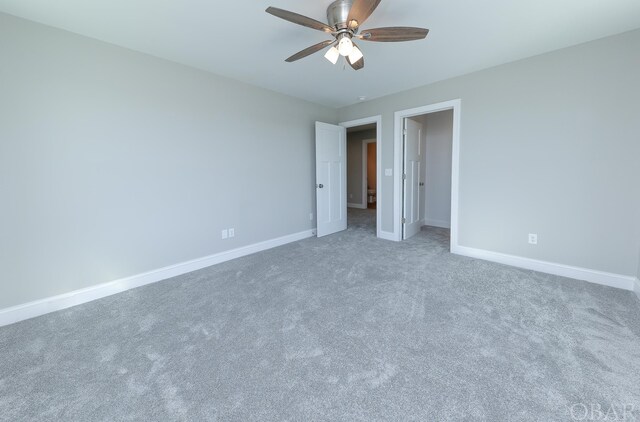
[{"x": 343, "y": 328}]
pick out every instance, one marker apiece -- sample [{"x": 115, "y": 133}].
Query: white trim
[
  {"x": 77, "y": 297},
  {"x": 593, "y": 276},
  {"x": 387, "y": 235},
  {"x": 397, "y": 180},
  {"x": 359, "y": 206},
  {"x": 637, "y": 287},
  {"x": 456, "y": 106},
  {"x": 378, "y": 121},
  {"x": 437, "y": 223}
]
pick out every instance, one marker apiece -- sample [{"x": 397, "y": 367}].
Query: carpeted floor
[{"x": 343, "y": 328}]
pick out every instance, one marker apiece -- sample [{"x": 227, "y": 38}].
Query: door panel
[
  {"x": 335, "y": 178},
  {"x": 411, "y": 176},
  {"x": 323, "y": 211},
  {"x": 331, "y": 178}
]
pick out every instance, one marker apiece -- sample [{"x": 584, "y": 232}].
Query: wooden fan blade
[
  {"x": 357, "y": 65},
  {"x": 393, "y": 34},
  {"x": 360, "y": 11},
  {"x": 307, "y": 51},
  {"x": 299, "y": 19}
]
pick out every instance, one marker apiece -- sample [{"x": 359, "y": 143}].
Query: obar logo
[{"x": 598, "y": 412}]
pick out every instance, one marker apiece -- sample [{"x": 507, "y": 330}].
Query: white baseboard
[
  {"x": 594, "y": 276},
  {"x": 637, "y": 288},
  {"x": 77, "y": 297},
  {"x": 437, "y": 223},
  {"x": 359, "y": 206},
  {"x": 387, "y": 236}
]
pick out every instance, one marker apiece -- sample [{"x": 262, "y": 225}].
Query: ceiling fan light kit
[{"x": 344, "y": 18}]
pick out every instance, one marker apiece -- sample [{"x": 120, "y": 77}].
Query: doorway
[
  {"x": 426, "y": 168},
  {"x": 363, "y": 174},
  {"x": 369, "y": 176}
]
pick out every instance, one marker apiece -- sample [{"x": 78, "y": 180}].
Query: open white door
[
  {"x": 411, "y": 178},
  {"x": 331, "y": 178}
]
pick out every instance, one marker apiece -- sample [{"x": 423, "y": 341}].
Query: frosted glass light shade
[
  {"x": 332, "y": 55},
  {"x": 345, "y": 46},
  {"x": 355, "y": 55}
]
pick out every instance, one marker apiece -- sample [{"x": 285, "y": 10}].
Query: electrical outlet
[
  {"x": 225, "y": 234},
  {"x": 533, "y": 239},
  {"x": 310, "y": 216},
  {"x": 232, "y": 232},
  {"x": 388, "y": 172}
]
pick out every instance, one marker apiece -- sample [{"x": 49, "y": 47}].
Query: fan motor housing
[{"x": 338, "y": 13}]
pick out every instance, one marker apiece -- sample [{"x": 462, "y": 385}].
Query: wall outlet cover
[{"x": 225, "y": 234}]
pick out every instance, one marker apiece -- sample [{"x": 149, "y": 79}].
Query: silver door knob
[{"x": 320, "y": 186}]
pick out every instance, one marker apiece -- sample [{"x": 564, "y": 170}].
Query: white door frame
[
  {"x": 365, "y": 171},
  {"x": 378, "y": 121},
  {"x": 456, "y": 106}
]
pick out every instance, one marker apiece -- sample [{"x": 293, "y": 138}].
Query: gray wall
[
  {"x": 113, "y": 163},
  {"x": 354, "y": 164},
  {"x": 438, "y": 136},
  {"x": 549, "y": 145}
]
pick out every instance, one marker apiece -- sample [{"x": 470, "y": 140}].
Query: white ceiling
[{"x": 239, "y": 40}]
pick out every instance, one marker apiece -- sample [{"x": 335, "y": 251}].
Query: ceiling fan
[{"x": 345, "y": 18}]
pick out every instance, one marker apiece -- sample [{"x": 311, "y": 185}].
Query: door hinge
[
  {"x": 404, "y": 220},
  {"x": 404, "y": 132},
  {"x": 404, "y": 177}
]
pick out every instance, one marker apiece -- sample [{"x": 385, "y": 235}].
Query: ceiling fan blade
[
  {"x": 393, "y": 34},
  {"x": 307, "y": 51},
  {"x": 299, "y": 19},
  {"x": 357, "y": 65},
  {"x": 360, "y": 11}
]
